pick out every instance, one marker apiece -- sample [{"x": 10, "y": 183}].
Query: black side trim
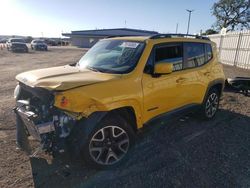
[
  {"x": 213, "y": 83},
  {"x": 175, "y": 113}
]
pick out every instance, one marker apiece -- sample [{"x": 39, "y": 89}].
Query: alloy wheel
[
  {"x": 211, "y": 105},
  {"x": 109, "y": 145}
]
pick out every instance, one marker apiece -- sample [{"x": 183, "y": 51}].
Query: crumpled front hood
[{"x": 63, "y": 77}]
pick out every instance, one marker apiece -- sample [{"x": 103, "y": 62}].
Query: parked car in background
[
  {"x": 3, "y": 40},
  {"x": 17, "y": 44},
  {"x": 39, "y": 45},
  {"x": 51, "y": 42}
]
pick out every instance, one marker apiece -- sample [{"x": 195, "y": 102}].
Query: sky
[{"x": 49, "y": 18}]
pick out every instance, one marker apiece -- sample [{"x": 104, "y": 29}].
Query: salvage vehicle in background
[
  {"x": 17, "y": 45},
  {"x": 241, "y": 84},
  {"x": 38, "y": 45},
  {"x": 95, "y": 107}
]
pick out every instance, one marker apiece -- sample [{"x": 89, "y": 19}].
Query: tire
[
  {"x": 211, "y": 104},
  {"x": 108, "y": 143}
]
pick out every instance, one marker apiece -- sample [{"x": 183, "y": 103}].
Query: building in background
[{"x": 87, "y": 38}]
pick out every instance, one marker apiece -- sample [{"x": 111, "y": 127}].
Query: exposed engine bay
[{"x": 41, "y": 119}]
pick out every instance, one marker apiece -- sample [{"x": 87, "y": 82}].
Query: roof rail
[
  {"x": 113, "y": 36},
  {"x": 171, "y": 35}
]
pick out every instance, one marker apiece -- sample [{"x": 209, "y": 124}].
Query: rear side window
[
  {"x": 170, "y": 54},
  {"x": 209, "y": 52},
  {"x": 195, "y": 53}
]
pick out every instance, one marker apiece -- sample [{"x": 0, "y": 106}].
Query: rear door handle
[{"x": 180, "y": 80}]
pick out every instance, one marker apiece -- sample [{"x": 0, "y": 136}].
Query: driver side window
[{"x": 170, "y": 53}]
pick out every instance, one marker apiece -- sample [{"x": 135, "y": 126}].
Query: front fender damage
[{"x": 78, "y": 108}]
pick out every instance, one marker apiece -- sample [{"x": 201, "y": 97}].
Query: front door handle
[
  {"x": 206, "y": 73},
  {"x": 179, "y": 80}
]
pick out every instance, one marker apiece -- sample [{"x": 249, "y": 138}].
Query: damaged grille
[
  {"x": 42, "y": 120},
  {"x": 42, "y": 94}
]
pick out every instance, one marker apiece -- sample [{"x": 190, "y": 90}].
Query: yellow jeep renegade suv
[{"x": 94, "y": 108}]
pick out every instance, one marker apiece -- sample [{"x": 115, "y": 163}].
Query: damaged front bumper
[
  {"x": 34, "y": 130},
  {"x": 56, "y": 130},
  {"x": 50, "y": 132}
]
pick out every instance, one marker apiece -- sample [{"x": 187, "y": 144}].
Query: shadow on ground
[{"x": 179, "y": 153}]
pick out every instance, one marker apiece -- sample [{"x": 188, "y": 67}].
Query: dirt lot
[{"x": 184, "y": 152}]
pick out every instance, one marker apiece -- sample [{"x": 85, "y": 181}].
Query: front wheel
[
  {"x": 108, "y": 144},
  {"x": 211, "y": 104}
]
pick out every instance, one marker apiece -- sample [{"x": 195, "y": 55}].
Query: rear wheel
[
  {"x": 211, "y": 104},
  {"x": 108, "y": 144}
]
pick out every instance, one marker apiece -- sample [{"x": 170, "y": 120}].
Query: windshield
[
  {"x": 112, "y": 56},
  {"x": 17, "y": 40}
]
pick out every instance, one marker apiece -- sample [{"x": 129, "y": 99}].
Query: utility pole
[
  {"x": 189, "y": 17},
  {"x": 177, "y": 25}
]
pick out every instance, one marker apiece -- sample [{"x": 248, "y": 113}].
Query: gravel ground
[{"x": 183, "y": 152}]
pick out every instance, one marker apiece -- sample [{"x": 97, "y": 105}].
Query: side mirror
[{"x": 163, "y": 68}]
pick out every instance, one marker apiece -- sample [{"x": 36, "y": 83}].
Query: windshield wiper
[
  {"x": 93, "y": 69},
  {"x": 100, "y": 70}
]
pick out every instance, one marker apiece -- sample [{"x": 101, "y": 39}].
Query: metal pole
[
  {"x": 177, "y": 25},
  {"x": 189, "y": 17},
  {"x": 237, "y": 49}
]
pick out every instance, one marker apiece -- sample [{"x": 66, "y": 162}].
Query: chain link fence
[{"x": 233, "y": 48}]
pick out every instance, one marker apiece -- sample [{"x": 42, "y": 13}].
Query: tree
[
  {"x": 210, "y": 32},
  {"x": 232, "y": 14}
]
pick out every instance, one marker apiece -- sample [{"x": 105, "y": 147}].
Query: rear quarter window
[
  {"x": 209, "y": 52},
  {"x": 195, "y": 54}
]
